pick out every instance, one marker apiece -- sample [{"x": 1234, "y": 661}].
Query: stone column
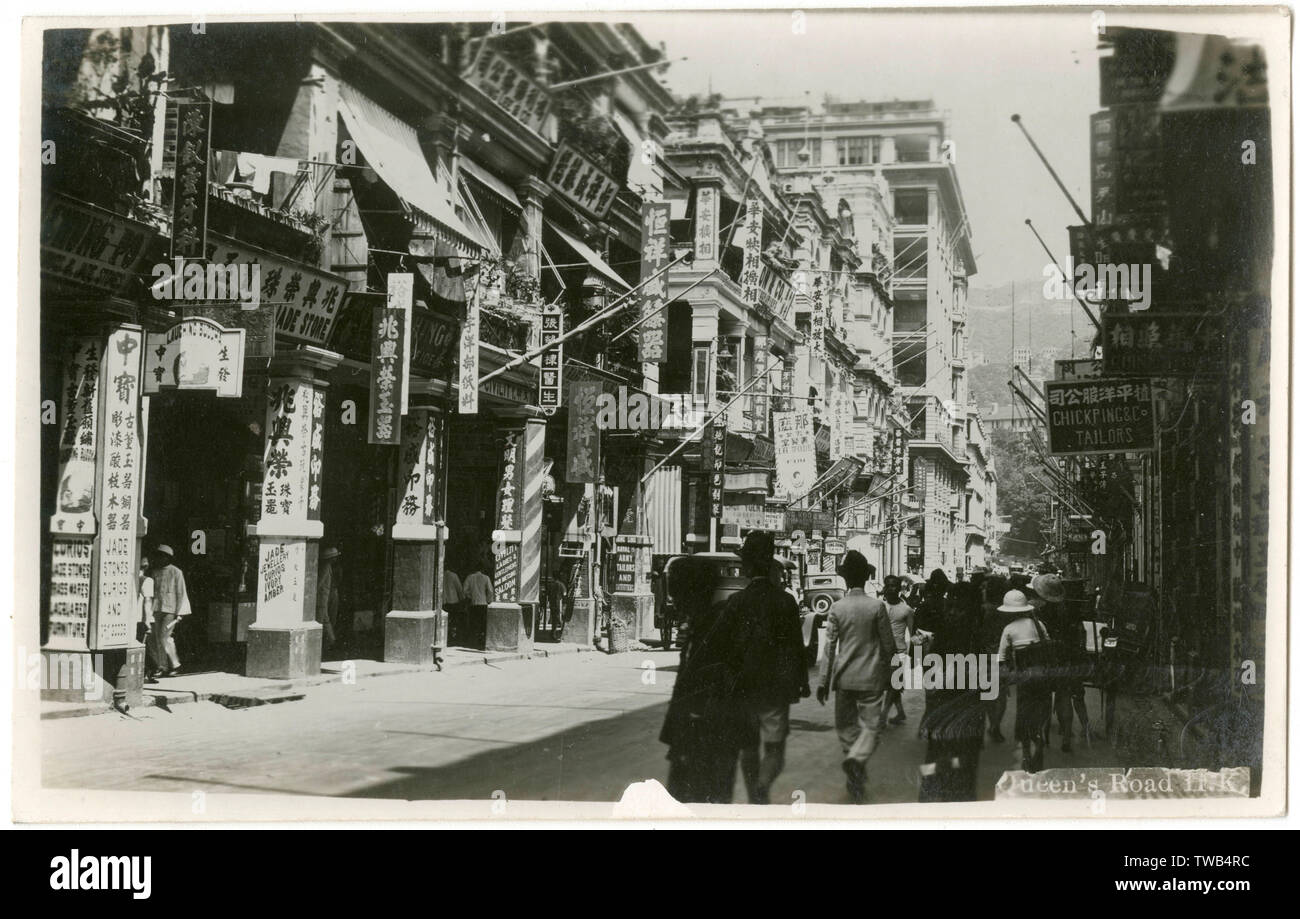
[
  {"x": 517, "y": 541},
  {"x": 417, "y": 622},
  {"x": 284, "y": 641},
  {"x": 91, "y": 652},
  {"x": 532, "y": 195}
]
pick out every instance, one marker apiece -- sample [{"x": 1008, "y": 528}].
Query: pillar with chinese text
[
  {"x": 284, "y": 641},
  {"x": 92, "y": 651},
  {"x": 517, "y": 540},
  {"x": 417, "y": 623}
]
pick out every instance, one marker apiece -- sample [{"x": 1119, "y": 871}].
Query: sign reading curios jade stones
[
  {"x": 195, "y": 353},
  {"x": 653, "y": 295}
]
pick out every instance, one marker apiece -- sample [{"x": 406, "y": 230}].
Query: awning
[
  {"x": 663, "y": 501},
  {"x": 392, "y": 149},
  {"x": 490, "y": 182},
  {"x": 587, "y": 254}
]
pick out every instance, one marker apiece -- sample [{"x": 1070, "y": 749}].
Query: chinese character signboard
[
  {"x": 817, "y": 319},
  {"x": 1100, "y": 416},
  {"x": 387, "y": 379},
  {"x": 796, "y": 457},
  {"x": 1078, "y": 370},
  {"x": 505, "y": 576},
  {"x": 551, "y": 377},
  {"x": 654, "y": 293},
  {"x": 287, "y": 476},
  {"x": 417, "y": 506},
  {"x": 468, "y": 367},
  {"x": 1149, "y": 344},
  {"x": 119, "y": 512},
  {"x": 400, "y": 291},
  {"x": 584, "y": 436},
  {"x": 512, "y": 88},
  {"x": 1102, "y": 138},
  {"x": 706, "y": 224},
  {"x": 190, "y": 191},
  {"x": 714, "y": 453},
  {"x": 752, "y": 267},
  {"x": 195, "y": 353},
  {"x": 78, "y": 423},
  {"x": 91, "y": 247},
  {"x": 582, "y": 181}
]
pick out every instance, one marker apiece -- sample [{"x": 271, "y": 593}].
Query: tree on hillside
[{"x": 1020, "y": 497}]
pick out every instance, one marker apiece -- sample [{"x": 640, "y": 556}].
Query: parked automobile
[
  {"x": 821, "y": 590},
  {"x": 726, "y": 567}
]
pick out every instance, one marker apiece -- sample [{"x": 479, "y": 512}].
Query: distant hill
[{"x": 1040, "y": 323}]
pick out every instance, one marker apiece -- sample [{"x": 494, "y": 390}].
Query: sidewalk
[{"x": 235, "y": 691}]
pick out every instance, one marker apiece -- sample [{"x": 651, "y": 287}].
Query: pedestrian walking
[
  {"x": 1067, "y": 689},
  {"x": 760, "y": 632},
  {"x": 170, "y": 603},
  {"x": 953, "y": 724},
  {"x": 327, "y": 595},
  {"x": 990, "y": 637},
  {"x": 478, "y": 596},
  {"x": 858, "y": 666},
  {"x": 1033, "y": 694},
  {"x": 902, "y": 620}
]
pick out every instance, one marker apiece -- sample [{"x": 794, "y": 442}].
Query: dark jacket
[{"x": 762, "y": 644}]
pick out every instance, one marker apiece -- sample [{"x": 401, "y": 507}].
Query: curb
[{"x": 255, "y": 695}]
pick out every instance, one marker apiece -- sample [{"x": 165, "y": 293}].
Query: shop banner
[
  {"x": 752, "y": 267},
  {"x": 817, "y": 318},
  {"x": 706, "y": 224},
  {"x": 121, "y": 459},
  {"x": 468, "y": 367},
  {"x": 652, "y": 334},
  {"x": 584, "y": 437},
  {"x": 715, "y": 459},
  {"x": 796, "y": 456},
  {"x": 287, "y": 477},
  {"x": 91, "y": 247},
  {"x": 1149, "y": 344},
  {"x": 418, "y": 476},
  {"x": 400, "y": 294},
  {"x": 1100, "y": 416},
  {"x": 509, "y": 518},
  {"x": 745, "y": 516},
  {"x": 551, "y": 378},
  {"x": 512, "y": 88},
  {"x": 581, "y": 181},
  {"x": 1101, "y": 136},
  {"x": 316, "y": 455},
  {"x": 78, "y": 430},
  {"x": 190, "y": 189},
  {"x": 195, "y": 353},
  {"x": 387, "y": 381}
]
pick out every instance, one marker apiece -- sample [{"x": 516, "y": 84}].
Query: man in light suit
[{"x": 859, "y": 660}]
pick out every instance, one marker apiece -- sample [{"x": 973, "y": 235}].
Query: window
[
  {"x": 786, "y": 153},
  {"x": 911, "y": 206},
  {"x": 700, "y": 377},
  {"x": 857, "y": 151}
]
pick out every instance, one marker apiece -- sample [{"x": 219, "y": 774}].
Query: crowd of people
[{"x": 744, "y": 663}]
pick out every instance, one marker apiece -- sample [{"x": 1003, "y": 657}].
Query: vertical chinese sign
[
  {"x": 289, "y": 470},
  {"x": 654, "y": 293},
  {"x": 417, "y": 507},
  {"x": 714, "y": 452},
  {"x": 752, "y": 266},
  {"x": 551, "y": 377},
  {"x": 706, "y": 224},
  {"x": 584, "y": 437},
  {"x": 505, "y": 576},
  {"x": 190, "y": 192},
  {"x": 401, "y": 293},
  {"x": 387, "y": 379},
  {"x": 121, "y": 459},
  {"x": 817, "y": 318},
  {"x": 468, "y": 366}
]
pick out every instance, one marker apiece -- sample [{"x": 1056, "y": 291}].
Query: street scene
[{"x": 520, "y": 409}]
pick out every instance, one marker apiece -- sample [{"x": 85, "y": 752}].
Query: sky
[{"x": 979, "y": 67}]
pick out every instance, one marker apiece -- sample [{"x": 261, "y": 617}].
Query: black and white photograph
[{"x": 763, "y": 414}]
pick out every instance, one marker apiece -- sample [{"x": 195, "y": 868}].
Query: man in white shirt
[{"x": 478, "y": 594}]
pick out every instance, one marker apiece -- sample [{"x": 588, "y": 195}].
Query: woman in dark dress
[{"x": 953, "y": 725}]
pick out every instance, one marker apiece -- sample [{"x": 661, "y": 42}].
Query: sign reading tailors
[
  {"x": 550, "y": 379},
  {"x": 582, "y": 181},
  {"x": 387, "y": 376},
  {"x": 1100, "y": 416},
  {"x": 195, "y": 353},
  {"x": 190, "y": 190},
  {"x": 654, "y": 255}
]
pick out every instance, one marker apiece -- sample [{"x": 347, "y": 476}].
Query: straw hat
[
  {"x": 164, "y": 549},
  {"x": 1015, "y": 602},
  {"x": 1049, "y": 587}
]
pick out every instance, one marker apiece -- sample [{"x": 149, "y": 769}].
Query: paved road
[{"x": 576, "y": 727}]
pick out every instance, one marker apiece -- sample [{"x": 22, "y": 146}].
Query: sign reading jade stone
[
  {"x": 387, "y": 382},
  {"x": 1100, "y": 416},
  {"x": 119, "y": 512},
  {"x": 654, "y": 255},
  {"x": 190, "y": 191}
]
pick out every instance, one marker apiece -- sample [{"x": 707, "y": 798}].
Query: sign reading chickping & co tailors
[
  {"x": 1151, "y": 344},
  {"x": 1100, "y": 416},
  {"x": 651, "y": 336},
  {"x": 387, "y": 381},
  {"x": 195, "y": 353},
  {"x": 550, "y": 379},
  {"x": 190, "y": 191},
  {"x": 582, "y": 181}
]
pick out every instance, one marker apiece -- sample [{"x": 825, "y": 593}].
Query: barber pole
[{"x": 530, "y": 570}]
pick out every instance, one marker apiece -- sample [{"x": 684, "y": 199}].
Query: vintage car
[{"x": 729, "y": 581}]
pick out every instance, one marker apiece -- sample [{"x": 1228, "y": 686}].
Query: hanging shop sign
[
  {"x": 417, "y": 507},
  {"x": 512, "y": 88},
  {"x": 305, "y": 301},
  {"x": 752, "y": 266},
  {"x": 550, "y": 379},
  {"x": 1149, "y": 344},
  {"x": 434, "y": 337},
  {"x": 1102, "y": 140},
  {"x": 258, "y": 327},
  {"x": 583, "y": 452},
  {"x": 745, "y": 516},
  {"x": 835, "y": 547},
  {"x": 817, "y": 319},
  {"x": 467, "y": 403},
  {"x": 706, "y": 223},
  {"x": 1078, "y": 370},
  {"x": 774, "y": 519},
  {"x": 796, "y": 457},
  {"x": 195, "y": 353},
  {"x": 90, "y": 247},
  {"x": 715, "y": 464},
  {"x": 1137, "y": 172},
  {"x": 581, "y": 181},
  {"x": 651, "y": 336},
  {"x": 1100, "y": 416},
  {"x": 400, "y": 293},
  {"x": 506, "y": 537},
  {"x": 388, "y": 382},
  {"x": 190, "y": 190},
  {"x": 291, "y": 423},
  {"x": 625, "y": 571},
  {"x": 114, "y": 612}
]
